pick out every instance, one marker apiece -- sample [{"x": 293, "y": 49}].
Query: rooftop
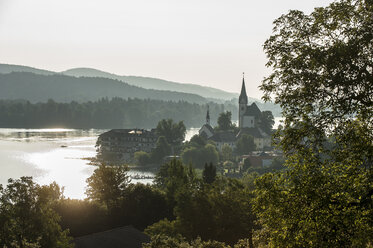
[{"x": 126, "y": 236}]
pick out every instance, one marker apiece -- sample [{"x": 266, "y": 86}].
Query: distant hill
[
  {"x": 85, "y": 84},
  {"x": 154, "y": 83},
  {"x": 5, "y": 68},
  {"x": 62, "y": 88},
  {"x": 144, "y": 82}
]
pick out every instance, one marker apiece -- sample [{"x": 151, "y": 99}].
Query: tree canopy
[
  {"x": 107, "y": 184},
  {"x": 27, "y": 218},
  {"x": 322, "y": 78},
  {"x": 225, "y": 121},
  {"x": 245, "y": 144},
  {"x": 173, "y": 132},
  {"x": 266, "y": 121}
]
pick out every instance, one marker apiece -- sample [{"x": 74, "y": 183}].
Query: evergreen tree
[{"x": 209, "y": 173}]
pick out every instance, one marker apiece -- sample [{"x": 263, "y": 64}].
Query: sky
[{"x": 205, "y": 42}]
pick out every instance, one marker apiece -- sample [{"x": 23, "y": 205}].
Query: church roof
[
  {"x": 243, "y": 96},
  {"x": 253, "y": 110},
  {"x": 223, "y": 137},
  {"x": 208, "y": 127}
]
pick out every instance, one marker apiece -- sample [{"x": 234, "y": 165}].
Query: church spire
[
  {"x": 208, "y": 115},
  {"x": 243, "y": 96}
]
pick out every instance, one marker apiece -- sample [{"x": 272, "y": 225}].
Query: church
[{"x": 248, "y": 123}]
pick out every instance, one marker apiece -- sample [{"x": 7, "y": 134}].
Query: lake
[{"x": 56, "y": 155}]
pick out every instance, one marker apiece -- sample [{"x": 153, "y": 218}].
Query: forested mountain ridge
[
  {"x": 62, "y": 88},
  {"x": 154, "y": 83},
  {"x": 6, "y": 68},
  {"x": 143, "y": 82},
  {"x": 37, "y": 85}
]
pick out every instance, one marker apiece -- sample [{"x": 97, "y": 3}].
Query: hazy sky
[{"x": 206, "y": 42}]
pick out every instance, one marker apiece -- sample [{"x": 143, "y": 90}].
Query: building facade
[{"x": 121, "y": 144}]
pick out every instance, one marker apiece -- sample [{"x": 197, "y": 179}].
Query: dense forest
[
  {"x": 106, "y": 114},
  {"x": 61, "y": 88},
  {"x": 143, "y": 82}
]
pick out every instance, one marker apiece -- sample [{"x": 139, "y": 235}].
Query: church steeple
[
  {"x": 243, "y": 97},
  {"x": 242, "y": 103},
  {"x": 208, "y": 115}
]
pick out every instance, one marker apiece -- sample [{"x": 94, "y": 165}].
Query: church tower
[
  {"x": 208, "y": 115},
  {"x": 242, "y": 103}
]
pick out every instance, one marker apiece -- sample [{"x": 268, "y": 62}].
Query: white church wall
[{"x": 248, "y": 121}]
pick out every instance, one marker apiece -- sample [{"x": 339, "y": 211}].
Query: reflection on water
[
  {"x": 29, "y": 135},
  {"x": 54, "y": 155}
]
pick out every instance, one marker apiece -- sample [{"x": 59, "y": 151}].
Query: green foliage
[
  {"x": 266, "y": 121},
  {"x": 107, "y": 185},
  {"x": 246, "y": 164},
  {"x": 322, "y": 78},
  {"x": 209, "y": 173},
  {"x": 248, "y": 179},
  {"x": 163, "y": 228},
  {"x": 219, "y": 212},
  {"x": 163, "y": 241},
  {"x": 82, "y": 217},
  {"x": 26, "y": 215},
  {"x": 173, "y": 178},
  {"x": 225, "y": 121},
  {"x": 226, "y": 153},
  {"x": 143, "y": 205},
  {"x": 173, "y": 132},
  {"x": 161, "y": 150},
  {"x": 196, "y": 141},
  {"x": 142, "y": 158},
  {"x": 245, "y": 144},
  {"x": 199, "y": 156}
]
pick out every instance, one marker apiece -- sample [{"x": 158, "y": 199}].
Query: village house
[
  {"x": 260, "y": 159},
  {"x": 121, "y": 144}
]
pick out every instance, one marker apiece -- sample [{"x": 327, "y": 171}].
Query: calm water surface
[{"x": 55, "y": 155}]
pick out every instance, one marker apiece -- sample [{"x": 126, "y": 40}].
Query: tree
[
  {"x": 220, "y": 212},
  {"x": 143, "y": 205},
  {"x": 197, "y": 141},
  {"x": 209, "y": 173},
  {"x": 27, "y": 218},
  {"x": 180, "y": 242},
  {"x": 161, "y": 150},
  {"x": 266, "y": 121},
  {"x": 225, "y": 121},
  {"x": 82, "y": 217},
  {"x": 246, "y": 164},
  {"x": 245, "y": 144},
  {"x": 173, "y": 178},
  {"x": 107, "y": 185},
  {"x": 173, "y": 132},
  {"x": 322, "y": 79},
  {"x": 142, "y": 158},
  {"x": 199, "y": 156},
  {"x": 226, "y": 153}
]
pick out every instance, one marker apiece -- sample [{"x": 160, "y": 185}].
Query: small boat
[{"x": 63, "y": 146}]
